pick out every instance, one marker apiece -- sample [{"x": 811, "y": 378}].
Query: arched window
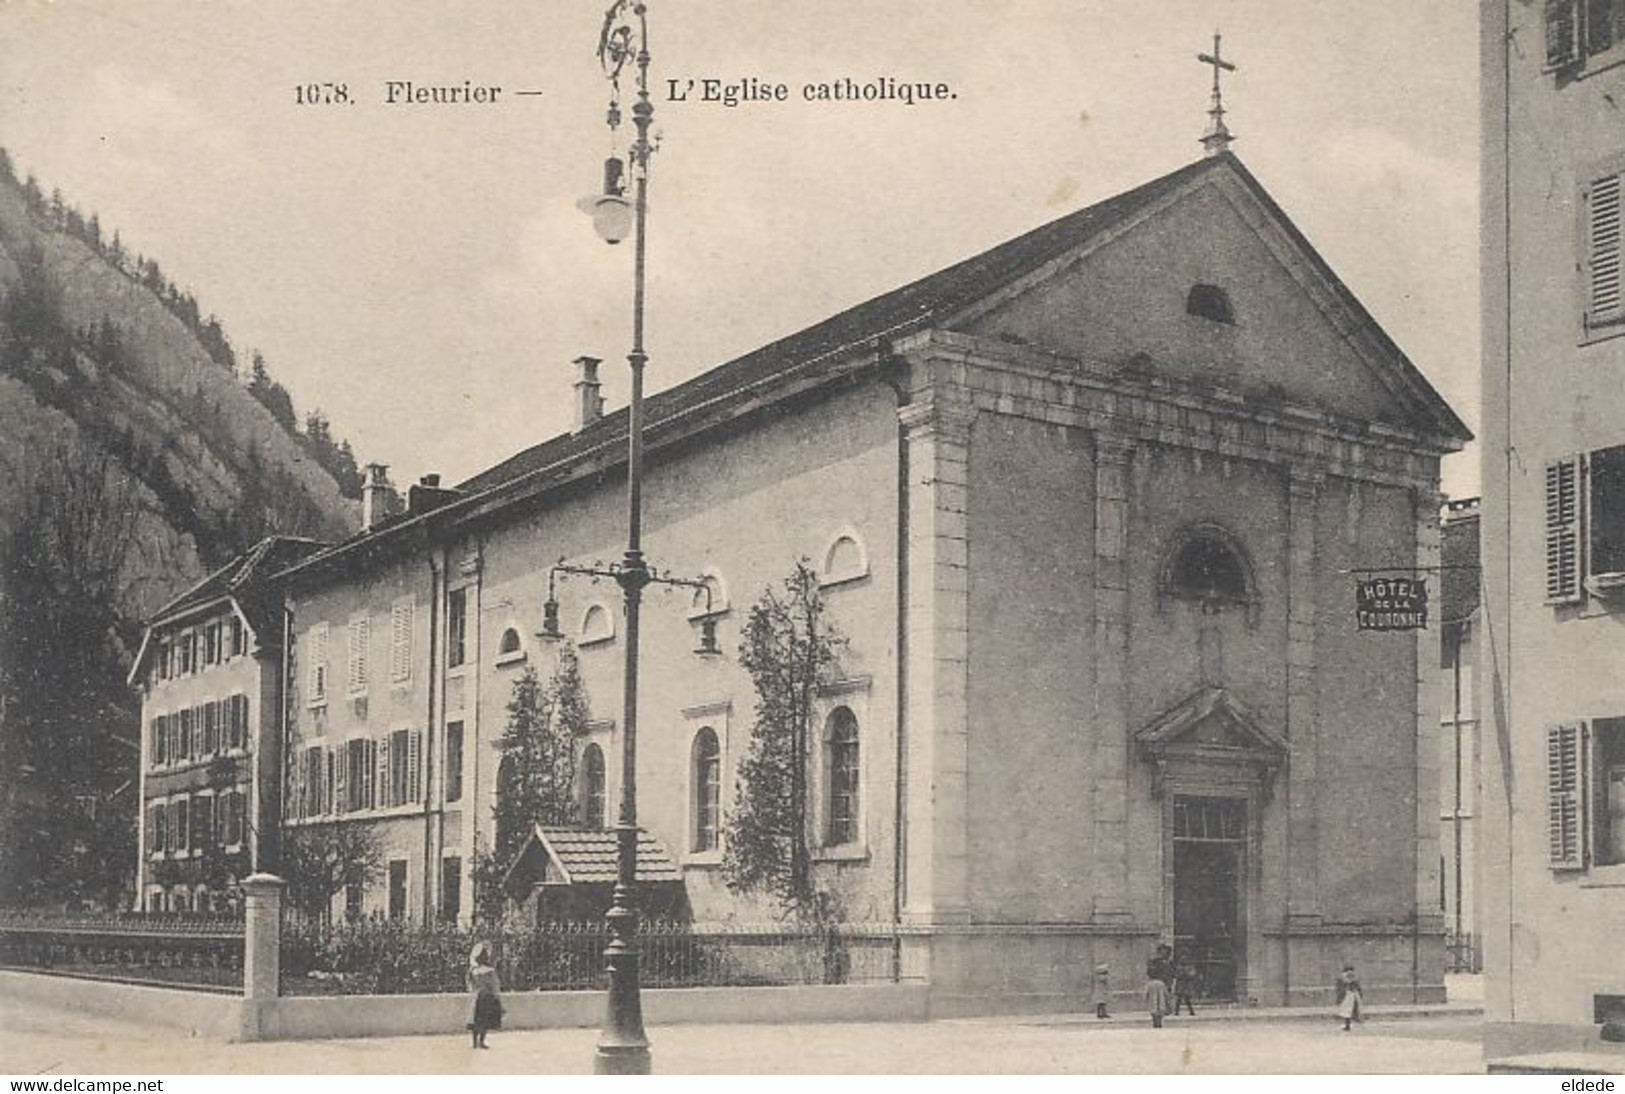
[
  {"x": 707, "y": 781},
  {"x": 1207, "y": 566},
  {"x": 712, "y": 599},
  {"x": 845, "y": 560},
  {"x": 509, "y": 828},
  {"x": 841, "y": 737},
  {"x": 597, "y": 625},
  {"x": 592, "y": 787},
  {"x": 509, "y": 643},
  {"x": 1210, "y": 302}
]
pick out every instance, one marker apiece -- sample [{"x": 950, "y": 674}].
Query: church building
[{"x": 1084, "y": 507}]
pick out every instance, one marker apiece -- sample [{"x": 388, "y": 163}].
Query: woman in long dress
[
  {"x": 487, "y": 989},
  {"x": 1348, "y": 997}
]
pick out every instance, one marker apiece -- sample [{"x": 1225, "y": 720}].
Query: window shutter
[
  {"x": 359, "y": 634},
  {"x": 341, "y": 781},
  {"x": 1563, "y": 530},
  {"x": 385, "y": 791},
  {"x": 414, "y": 768},
  {"x": 1565, "y": 834},
  {"x": 329, "y": 793},
  {"x": 318, "y": 662},
  {"x": 1562, "y": 33},
  {"x": 1602, "y": 252},
  {"x": 1599, "y": 26},
  {"x": 400, "y": 642}
]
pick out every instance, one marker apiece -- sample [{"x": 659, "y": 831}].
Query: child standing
[
  {"x": 1348, "y": 997},
  {"x": 487, "y": 989},
  {"x": 1158, "y": 971}
]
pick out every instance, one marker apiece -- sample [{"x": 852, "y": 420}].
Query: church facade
[{"x": 1083, "y": 507}]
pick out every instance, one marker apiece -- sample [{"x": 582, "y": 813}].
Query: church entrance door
[{"x": 1209, "y": 854}]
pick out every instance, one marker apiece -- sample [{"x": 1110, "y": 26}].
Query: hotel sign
[{"x": 1391, "y": 603}]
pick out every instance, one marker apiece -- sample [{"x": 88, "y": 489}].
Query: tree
[
  {"x": 318, "y": 861},
  {"x": 536, "y": 775},
  {"x": 790, "y": 650},
  {"x": 69, "y": 729}
]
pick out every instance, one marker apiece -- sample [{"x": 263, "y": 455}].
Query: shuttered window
[
  {"x": 400, "y": 642},
  {"x": 1563, "y": 530},
  {"x": 318, "y": 663},
  {"x": 1601, "y": 205},
  {"x": 1565, "y": 746},
  {"x": 1580, "y": 29},
  {"x": 1562, "y": 33},
  {"x": 360, "y": 636}
]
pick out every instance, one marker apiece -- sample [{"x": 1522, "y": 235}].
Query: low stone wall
[
  {"x": 231, "y": 1017},
  {"x": 305, "y": 1017},
  {"x": 200, "y": 1013}
]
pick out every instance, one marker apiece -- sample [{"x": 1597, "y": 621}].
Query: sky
[{"x": 421, "y": 274}]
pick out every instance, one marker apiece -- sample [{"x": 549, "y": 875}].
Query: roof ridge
[{"x": 872, "y": 315}]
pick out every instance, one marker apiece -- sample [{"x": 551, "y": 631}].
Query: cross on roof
[{"x": 1217, "y": 138}]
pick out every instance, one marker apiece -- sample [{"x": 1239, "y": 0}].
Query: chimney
[
  {"x": 427, "y": 494},
  {"x": 589, "y": 403},
  {"x": 374, "y": 496}
]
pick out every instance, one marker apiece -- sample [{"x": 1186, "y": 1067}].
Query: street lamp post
[{"x": 623, "y": 1047}]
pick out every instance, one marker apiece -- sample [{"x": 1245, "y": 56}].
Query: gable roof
[
  {"x": 241, "y": 574},
  {"x": 586, "y": 856},
  {"x": 826, "y": 350},
  {"x": 245, "y": 580}
]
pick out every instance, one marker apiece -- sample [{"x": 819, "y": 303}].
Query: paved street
[{"x": 35, "y": 1042}]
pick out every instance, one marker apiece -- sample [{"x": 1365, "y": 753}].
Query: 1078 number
[{"x": 325, "y": 94}]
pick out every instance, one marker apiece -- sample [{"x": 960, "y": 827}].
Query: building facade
[
  {"x": 1079, "y": 505},
  {"x": 1554, "y": 543},
  {"x": 209, "y": 675}
]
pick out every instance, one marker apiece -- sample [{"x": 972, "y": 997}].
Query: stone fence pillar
[{"x": 262, "y": 949}]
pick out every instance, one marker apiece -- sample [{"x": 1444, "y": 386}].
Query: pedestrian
[
  {"x": 1158, "y": 972},
  {"x": 1103, "y": 989},
  {"x": 1184, "y": 984},
  {"x": 487, "y": 989},
  {"x": 1348, "y": 997}
]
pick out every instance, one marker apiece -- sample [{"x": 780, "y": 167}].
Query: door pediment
[{"x": 1211, "y": 729}]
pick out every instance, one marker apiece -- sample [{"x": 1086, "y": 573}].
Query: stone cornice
[{"x": 1024, "y": 382}]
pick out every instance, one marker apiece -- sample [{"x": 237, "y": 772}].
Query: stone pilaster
[
  {"x": 1303, "y": 579},
  {"x": 1428, "y": 503},
  {"x": 1114, "y": 458},
  {"x": 937, "y": 810}
]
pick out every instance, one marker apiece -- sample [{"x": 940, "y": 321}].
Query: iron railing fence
[
  {"x": 168, "y": 949},
  {"x": 387, "y": 958},
  {"x": 1462, "y": 953}
]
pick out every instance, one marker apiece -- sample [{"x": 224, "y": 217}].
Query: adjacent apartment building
[
  {"x": 1553, "y": 520},
  {"x": 209, "y": 675}
]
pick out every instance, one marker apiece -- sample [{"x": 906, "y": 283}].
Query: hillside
[
  {"x": 134, "y": 460},
  {"x": 93, "y": 361}
]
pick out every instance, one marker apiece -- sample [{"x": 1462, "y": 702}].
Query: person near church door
[
  {"x": 1102, "y": 990},
  {"x": 1184, "y": 989},
  {"x": 1348, "y": 997},
  {"x": 1159, "y": 973}
]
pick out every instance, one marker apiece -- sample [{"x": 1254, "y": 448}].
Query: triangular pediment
[
  {"x": 1212, "y": 723},
  {"x": 1297, "y": 335}
]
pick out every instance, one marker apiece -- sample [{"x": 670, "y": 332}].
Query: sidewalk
[
  {"x": 1467, "y": 1009},
  {"x": 1236, "y": 1041}
]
